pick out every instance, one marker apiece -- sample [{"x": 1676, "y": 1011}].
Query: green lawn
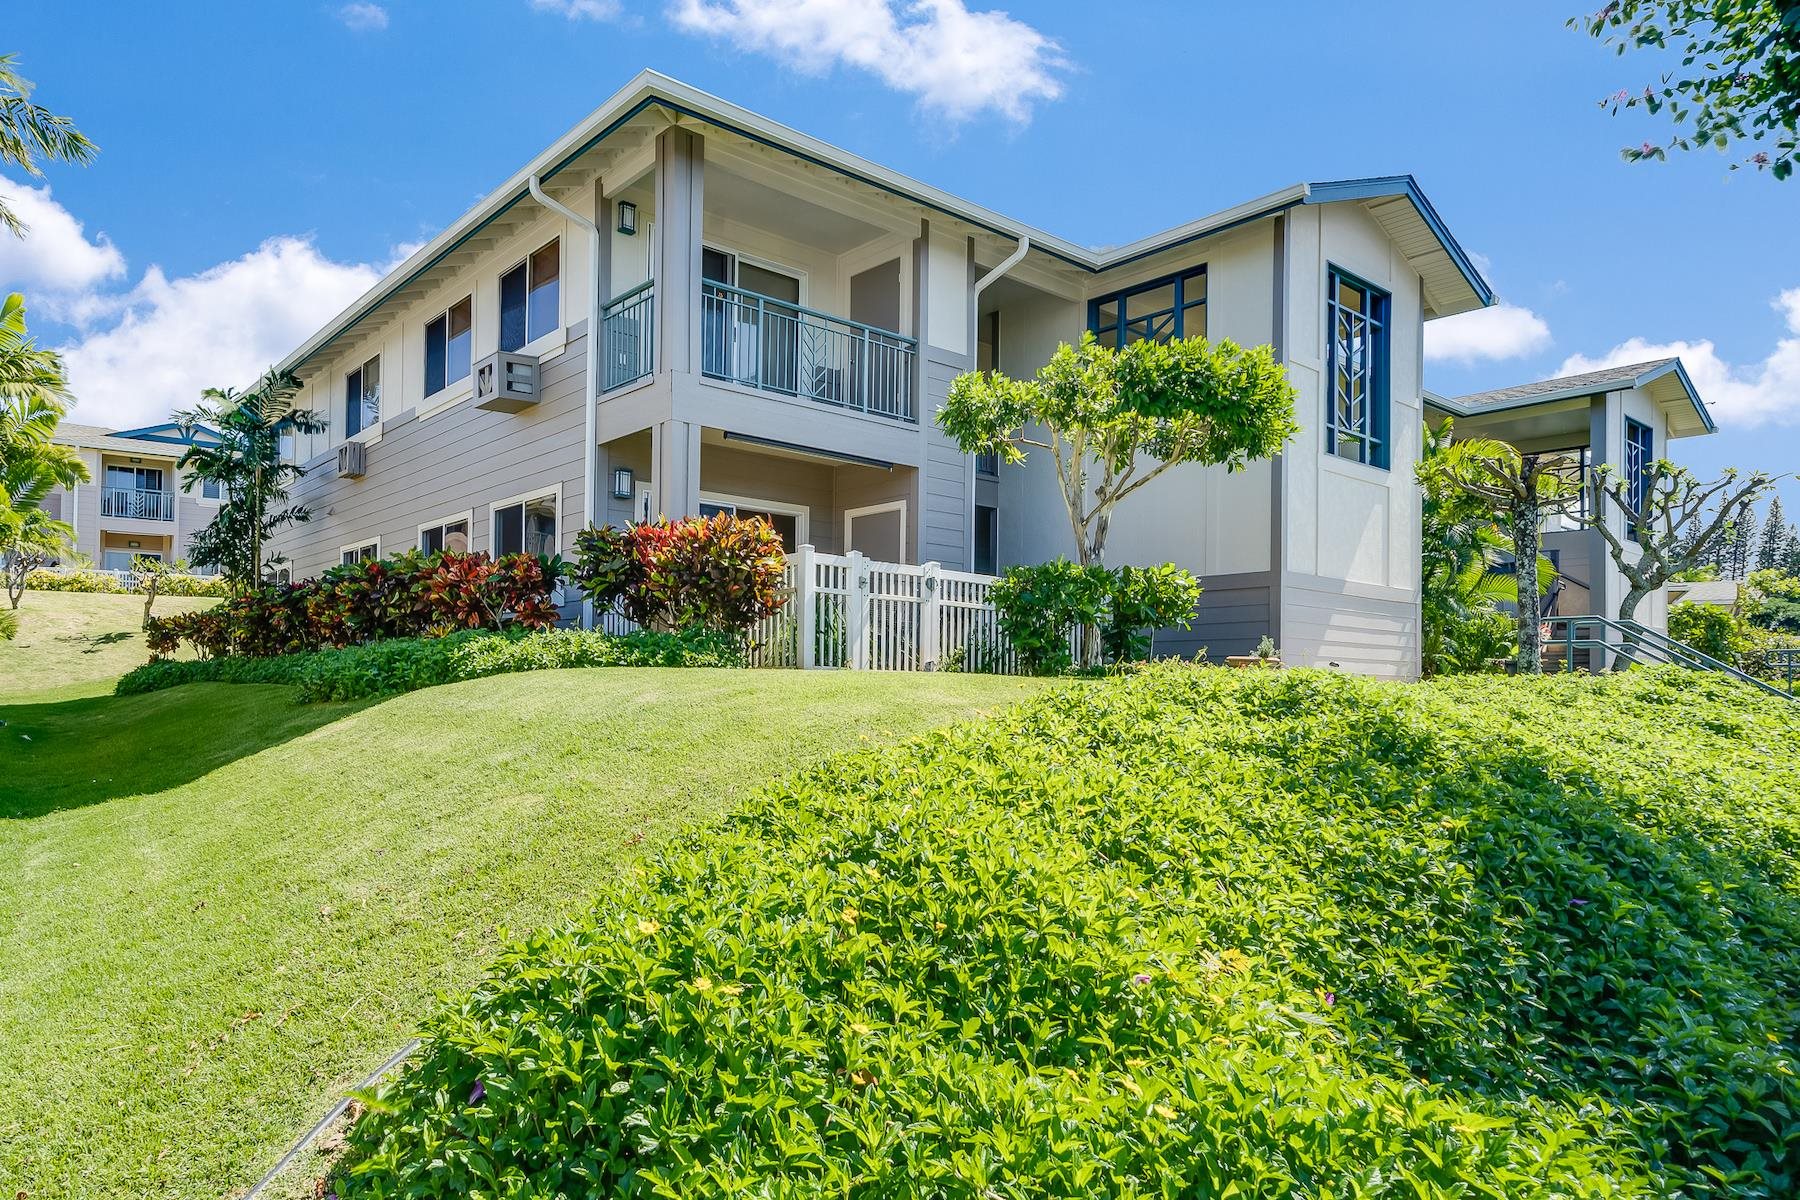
[
  {"x": 76, "y": 644},
  {"x": 221, "y": 907}
]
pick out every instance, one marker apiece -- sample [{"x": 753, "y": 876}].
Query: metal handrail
[
  {"x": 776, "y": 345},
  {"x": 1653, "y": 645},
  {"x": 628, "y": 333},
  {"x": 138, "y": 504},
  {"x": 1784, "y": 657}
]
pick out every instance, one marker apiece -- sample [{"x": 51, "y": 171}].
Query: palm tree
[
  {"x": 33, "y": 398},
  {"x": 30, "y": 134},
  {"x": 247, "y": 464}
]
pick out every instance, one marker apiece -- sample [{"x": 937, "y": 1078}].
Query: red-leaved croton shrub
[
  {"x": 721, "y": 572},
  {"x": 409, "y": 595}
]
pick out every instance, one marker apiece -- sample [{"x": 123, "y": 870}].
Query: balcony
[
  {"x": 779, "y": 347},
  {"x": 628, "y": 337},
  {"x": 137, "y": 504}
]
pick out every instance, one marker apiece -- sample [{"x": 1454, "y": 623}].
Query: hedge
[
  {"x": 1182, "y": 933},
  {"x": 93, "y": 581},
  {"x": 407, "y": 664}
]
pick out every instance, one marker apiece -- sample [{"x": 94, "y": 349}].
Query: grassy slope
[
  {"x": 75, "y": 644},
  {"x": 191, "y": 973},
  {"x": 1312, "y": 934}
]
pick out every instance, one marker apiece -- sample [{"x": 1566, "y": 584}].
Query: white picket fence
[{"x": 850, "y": 612}]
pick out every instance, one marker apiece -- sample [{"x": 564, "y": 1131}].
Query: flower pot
[{"x": 1250, "y": 662}]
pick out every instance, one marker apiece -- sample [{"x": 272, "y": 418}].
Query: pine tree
[
  {"x": 1774, "y": 541},
  {"x": 1743, "y": 532},
  {"x": 1789, "y": 563}
]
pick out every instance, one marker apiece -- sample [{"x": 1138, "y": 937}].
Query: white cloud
[
  {"x": 219, "y": 328},
  {"x": 1486, "y": 334},
  {"x": 1767, "y": 392},
  {"x": 956, "y": 62},
  {"x": 364, "y": 17},
  {"x": 56, "y": 258},
  {"x": 580, "y": 10}
]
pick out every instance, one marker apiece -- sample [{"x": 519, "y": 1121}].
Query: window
[
  {"x": 362, "y": 397},
  {"x": 987, "y": 464},
  {"x": 987, "y": 539},
  {"x": 788, "y": 520},
  {"x": 1174, "y": 307},
  {"x": 452, "y": 534},
  {"x": 210, "y": 489},
  {"x": 368, "y": 552},
  {"x": 1356, "y": 418},
  {"x": 134, "y": 479},
  {"x": 448, "y": 341},
  {"x": 529, "y": 302},
  {"x": 526, "y": 527},
  {"x": 1640, "y": 454}
]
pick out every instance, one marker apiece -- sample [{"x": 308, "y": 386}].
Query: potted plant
[{"x": 1266, "y": 657}]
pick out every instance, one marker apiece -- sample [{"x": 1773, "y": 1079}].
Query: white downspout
[
  {"x": 981, "y": 285},
  {"x": 1006, "y": 264},
  {"x": 589, "y": 401}
]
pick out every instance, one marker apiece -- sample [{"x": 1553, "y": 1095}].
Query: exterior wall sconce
[
  {"x": 627, "y": 218},
  {"x": 622, "y": 483}
]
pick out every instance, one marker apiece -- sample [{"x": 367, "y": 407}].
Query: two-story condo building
[
  {"x": 681, "y": 307},
  {"x": 135, "y": 503}
]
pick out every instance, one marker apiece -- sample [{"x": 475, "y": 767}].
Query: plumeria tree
[
  {"x": 1116, "y": 420},
  {"x": 1737, "y": 79},
  {"x": 1672, "y": 521},
  {"x": 247, "y": 464},
  {"x": 1520, "y": 490}
]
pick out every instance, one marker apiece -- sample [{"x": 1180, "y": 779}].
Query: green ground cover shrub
[
  {"x": 1184, "y": 932},
  {"x": 398, "y": 665}
]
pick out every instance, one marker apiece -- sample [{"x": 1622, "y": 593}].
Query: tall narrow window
[
  {"x": 1157, "y": 311},
  {"x": 362, "y": 397},
  {"x": 1356, "y": 417},
  {"x": 1640, "y": 453},
  {"x": 448, "y": 341},
  {"x": 530, "y": 298},
  {"x": 987, "y": 539}
]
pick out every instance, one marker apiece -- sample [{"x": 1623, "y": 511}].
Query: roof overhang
[
  {"x": 1668, "y": 384},
  {"x": 1452, "y": 283}
]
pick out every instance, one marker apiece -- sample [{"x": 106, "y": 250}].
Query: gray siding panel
[
  {"x": 944, "y": 523},
  {"x": 1232, "y": 616},
  {"x": 459, "y": 459}
]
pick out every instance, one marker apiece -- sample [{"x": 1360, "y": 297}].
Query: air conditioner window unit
[
  {"x": 506, "y": 382},
  {"x": 351, "y": 461}
]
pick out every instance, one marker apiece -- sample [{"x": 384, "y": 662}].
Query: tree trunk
[{"x": 1525, "y": 519}]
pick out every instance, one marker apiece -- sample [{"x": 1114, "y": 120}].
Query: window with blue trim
[
  {"x": 1640, "y": 453},
  {"x": 1171, "y": 307},
  {"x": 1357, "y": 416}
]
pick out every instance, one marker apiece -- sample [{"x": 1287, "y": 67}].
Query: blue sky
[{"x": 261, "y": 163}]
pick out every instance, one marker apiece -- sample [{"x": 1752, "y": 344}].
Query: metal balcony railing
[
  {"x": 628, "y": 336},
  {"x": 780, "y": 347},
  {"x": 138, "y": 504}
]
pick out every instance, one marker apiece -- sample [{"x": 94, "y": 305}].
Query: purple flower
[
  {"x": 1140, "y": 979},
  {"x": 1330, "y": 999},
  {"x": 1578, "y": 904},
  {"x": 477, "y": 1093}
]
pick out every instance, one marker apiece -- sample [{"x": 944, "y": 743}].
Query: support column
[
  {"x": 675, "y": 468},
  {"x": 680, "y": 210}
]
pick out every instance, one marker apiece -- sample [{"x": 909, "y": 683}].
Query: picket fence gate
[{"x": 851, "y": 612}]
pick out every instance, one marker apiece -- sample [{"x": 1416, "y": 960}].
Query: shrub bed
[
  {"x": 1178, "y": 931},
  {"x": 406, "y": 664},
  {"x": 171, "y": 584}
]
